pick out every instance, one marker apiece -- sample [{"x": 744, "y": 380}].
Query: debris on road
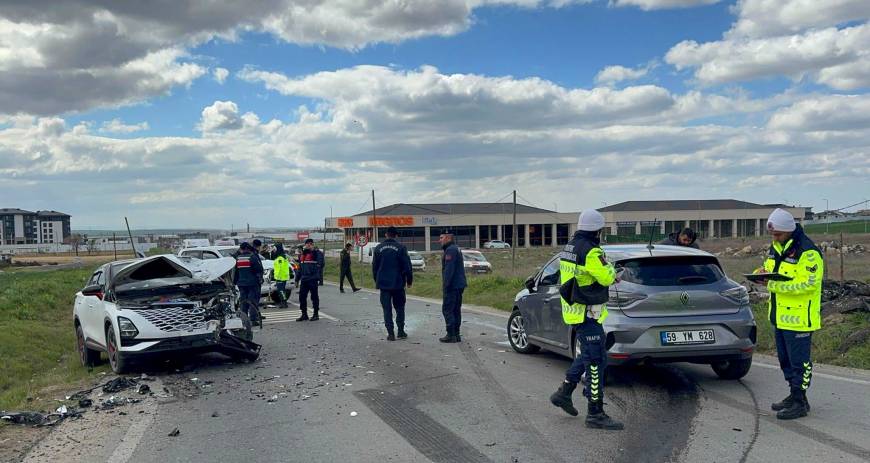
[
  {"x": 174, "y": 433},
  {"x": 37, "y": 419},
  {"x": 118, "y": 384},
  {"x": 354, "y": 413}
]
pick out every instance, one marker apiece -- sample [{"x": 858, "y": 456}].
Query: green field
[
  {"x": 853, "y": 226},
  {"x": 37, "y": 341}
]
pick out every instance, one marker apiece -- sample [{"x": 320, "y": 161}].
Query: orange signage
[
  {"x": 395, "y": 221},
  {"x": 345, "y": 222}
]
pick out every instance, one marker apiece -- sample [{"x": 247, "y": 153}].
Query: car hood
[{"x": 168, "y": 266}]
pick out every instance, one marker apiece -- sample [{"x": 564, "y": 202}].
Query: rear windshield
[
  {"x": 473, "y": 256},
  {"x": 227, "y": 252},
  {"x": 672, "y": 271}
]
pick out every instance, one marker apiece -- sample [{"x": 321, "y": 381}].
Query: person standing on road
[
  {"x": 587, "y": 273},
  {"x": 793, "y": 307},
  {"x": 391, "y": 269},
  {"x": 686, "y": 237},
  {"x": 344, "y": 270},
  {"x": 249, "y": 277},
  {"x": 453, "y": 283},
  {"x": 281, "y": 274},
  {"x": 312, "y": 263}
]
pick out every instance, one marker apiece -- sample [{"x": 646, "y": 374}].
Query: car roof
[
  {"x": 472, "y": 250},
  {"x": 636, "y": 251},
  {"x": 210, "y": 248}
]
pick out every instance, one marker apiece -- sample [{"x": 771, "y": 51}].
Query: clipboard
[{"x": 757, "y": 277}]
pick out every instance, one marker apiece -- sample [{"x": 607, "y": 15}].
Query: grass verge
[{"x": 37, "y": 340}]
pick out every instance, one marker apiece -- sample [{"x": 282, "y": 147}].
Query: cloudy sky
[{"x": 195, "y": 114}]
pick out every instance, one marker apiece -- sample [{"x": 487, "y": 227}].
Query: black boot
[
  {"x": 783, "y": 404},
  {"x": 562, "y": 398},
  {"x": 303, "y": 317},
  {"x": 356, "y": 289},
  {"x": 799, "y": 407},
  {"x": 402, "y": 333},
  {"x": 315, "y": 316},
  {"x": 391, "y": 336},
  {"x": 449, "y": 338},
  {"x": 597, "y": 419}
]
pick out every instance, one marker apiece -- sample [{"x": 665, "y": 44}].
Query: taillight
[
  {"x": 624, "y": 298},
  {"x": 737, "y": 295}
]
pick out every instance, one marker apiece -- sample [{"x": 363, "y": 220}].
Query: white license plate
[{"x": 677, "y": 338}]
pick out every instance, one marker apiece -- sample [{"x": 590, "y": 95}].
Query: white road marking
[
  {"x": 131, "y": 439},
  {"x": 818, "y": 374}
]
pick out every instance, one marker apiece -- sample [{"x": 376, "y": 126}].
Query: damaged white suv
[{"x": 157, "y": 305}]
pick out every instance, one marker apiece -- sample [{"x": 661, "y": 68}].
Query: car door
[
  {"x": 548, "y": 286},
  {"x": 91, "y": 314},
  {"x": 539, "y": 301}
]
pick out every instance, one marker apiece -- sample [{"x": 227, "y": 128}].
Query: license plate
[{"x": 678, "y": 338}]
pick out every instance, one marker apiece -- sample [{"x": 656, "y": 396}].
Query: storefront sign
[
  {"x": 394, "y": 221},
  {"x": 345, "y": 222},
  {"x": 430, "y": 220}
]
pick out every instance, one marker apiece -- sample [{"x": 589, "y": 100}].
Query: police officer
[
  {"x": 344, "y": 270},
  {"x": 583, "y": 260},
  {"x": 249, "y": 277},
  {"x": 391, "y": 269},
  {"x": 311, "y": 262},
  {"x": 794, "y": 307},
  {"x": 281, "y": 273},
  {"x": 453, "y": 283}
]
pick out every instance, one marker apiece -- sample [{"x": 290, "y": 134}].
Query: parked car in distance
[
  {"x": 162, "y": 304},
  {"x": 417, "y": 261},
  {"x": 672, "y": 304},
  {"x": 475, "y": 262},
  {"x": 496, "y": 244}
]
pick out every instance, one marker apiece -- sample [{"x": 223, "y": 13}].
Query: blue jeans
[
  {"x": 451, "y": 308},
  {"x": 391, "y": 298},
  {"x": 249, "y": 300},
  {"x": 592, "y": 359},
  {"x": 793, "y": 351}
]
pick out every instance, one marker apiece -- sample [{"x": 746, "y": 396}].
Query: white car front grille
[{"x": 175, "y": 317}]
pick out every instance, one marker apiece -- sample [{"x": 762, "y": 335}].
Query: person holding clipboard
[{"x": 793, "y": 274}]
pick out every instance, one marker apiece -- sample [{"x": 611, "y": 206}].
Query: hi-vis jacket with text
[
  {"x": 795, "y": 304},
  {"x": 583, "y": 259}
]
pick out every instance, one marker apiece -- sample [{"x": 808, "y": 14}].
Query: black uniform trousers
[
  {"x": 306, "y": 287},
  {"x": 345, "y": 273},
  {"x": 793, "y": 351},
  {"x": 390, "y": 299},
  {"x": 451, "y": 308}
]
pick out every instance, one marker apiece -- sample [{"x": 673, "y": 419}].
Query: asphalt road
[{"x": 335, "y": 390}]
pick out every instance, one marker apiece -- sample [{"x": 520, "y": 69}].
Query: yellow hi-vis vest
[
  {"x": 593, "y": 268},
  {"x": 281, "y": 269},
  {"x": 795, "y": 305}
]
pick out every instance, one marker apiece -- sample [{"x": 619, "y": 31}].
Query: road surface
[{"x": 335, "y": 390}]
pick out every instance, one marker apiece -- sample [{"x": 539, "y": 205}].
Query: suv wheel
[
  {"x": 732, "y": 369},
  {"x": 116, "y": 358},
  {"x": 517, "y": 335},
  {"x": 87, "y": 356}
]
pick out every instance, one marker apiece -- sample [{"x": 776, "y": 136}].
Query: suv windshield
[
  {"x": 672, "y": 271},
  {"x": 414, "y": 255}
]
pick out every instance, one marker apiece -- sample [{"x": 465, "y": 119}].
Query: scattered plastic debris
[
  {"x": 118, "y": 384},
  {"x": 354, "y": 413},
  {"x": 143, "y": 389},
  {"x": 174, "y": 433}
]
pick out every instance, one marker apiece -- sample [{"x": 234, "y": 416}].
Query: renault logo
[{"x": 684, "y": 298}]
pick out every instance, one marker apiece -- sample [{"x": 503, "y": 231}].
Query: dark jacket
[
  {"x": 312, "y": 264},
  {"x": 345, "y": 260},
  {"x": 674, "y": 240},
  {"x": 452, "y": 269},
  {"x": 391, "y": 265},
  {"x": 249, "y": 269}
]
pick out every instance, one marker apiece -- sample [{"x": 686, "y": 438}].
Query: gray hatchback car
[{"x": 672, "y": 304}]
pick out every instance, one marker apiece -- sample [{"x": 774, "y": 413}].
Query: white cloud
[
  {"x": 82, "y": 55},
  {"x": 662, "y": 4},
  {"x": 611, "y": 75},
  {"x": 220, "y": 75},
  {"x": 224, "y": 115},
  {"x": 828, "y": 113},
  {"x": 829, "y": 56},
  {"x": 758, "y": 18},
  {"x": 118, "y": 126}
]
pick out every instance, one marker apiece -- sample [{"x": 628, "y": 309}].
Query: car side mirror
[
  {"x": 93, "y": 290},
  {"x": 530, "y": 284}
]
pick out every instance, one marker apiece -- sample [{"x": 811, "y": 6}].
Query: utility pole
[
  {"x": 842, "y": 253},
  {"x": 827, "y": 216},
  {"x": 374, "y": 220},
  {"x": 514, "y": 240},
  {"x": 132, "y": 245},
  {"x": 115, "y": 245}
]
